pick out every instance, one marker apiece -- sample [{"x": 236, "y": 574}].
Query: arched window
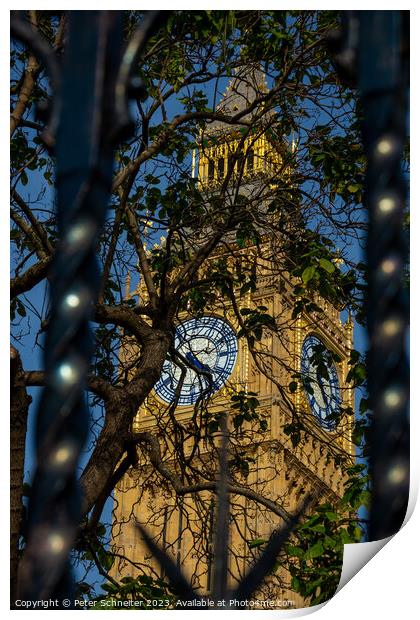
[
  {"x": 231, "y": 160},
  {"x": 241, "y": 156},
  {"x": 211, "y": 169},
  {"x": 221, "y": 167},
  {"x": 250, "y": 161}
]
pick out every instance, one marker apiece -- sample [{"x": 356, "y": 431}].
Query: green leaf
[
  {"x": 293, "y": 385},
  {"x": 353, "y": 188},
  {"x": 363, "y": 405},
  {"x": 21, "y": 310},
  {"x": 109, "y": 587},
  {"x": 263, "y": 425},
  {"x": 315, "y": 551},
  {"x": 295, "y": 437},
  {"x": 237, "y": 420},
  {"x": 257, "y": 542},
  {"x": 296, "y": 585},
  {"x": 112, "y": 285},
  {"x": 26, "y": 489},
  {"x": 331, "y": 543},
  {"x": 292, "y": 550},
  {"x": 327, "y": 265},
  {"x": 308, "y": 274},
  {"x": 213, "y": 426},
  {"x": 345, "y": 538},
  {"x": 365, "y": 499}
]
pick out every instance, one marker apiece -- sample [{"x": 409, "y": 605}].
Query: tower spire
[{"x": 246, "y": 85}]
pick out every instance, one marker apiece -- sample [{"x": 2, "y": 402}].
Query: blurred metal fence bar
[
  {"x": 374, "y": 56},
  {"x": 384, "y": 75},
  {"x": 89, "y": 117}
]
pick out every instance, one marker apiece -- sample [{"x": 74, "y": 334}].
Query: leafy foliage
[
  {"x": 312, "y": 258},
  {"x": 314, "y": 556},
  {"x": 148, "y": 592}
]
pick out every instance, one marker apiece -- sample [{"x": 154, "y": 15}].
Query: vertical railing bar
[
  {"x": 89, "y": 117},
  {"x": 221, "y": 540},
  {"x": 372, "y": 54}
]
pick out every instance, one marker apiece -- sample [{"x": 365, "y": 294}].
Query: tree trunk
[
  {"x": 120, "y": 412},
  {"x": 19, "y": 404}
]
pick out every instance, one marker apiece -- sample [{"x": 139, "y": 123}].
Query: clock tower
[{"x": 277, "y": 373}]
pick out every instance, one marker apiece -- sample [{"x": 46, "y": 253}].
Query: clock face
[
  {"x": 208, "y": 348},
  {"x": 320, "y": 381}
]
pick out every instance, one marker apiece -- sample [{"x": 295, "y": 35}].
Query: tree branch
[
  {"x": 180, "y": 489},
  {"x": 141, "y": 253},
  {"x": 120, "y": 410},
  {"x": 32, "y": 276},
  {"x": 125, "y": 317},
  {"x": 120, "y": 471},
  {"x": 164, "y": 136},
  {"x": 36, "y": 225},
  {"x": 95, "y": 384},
  {"x": 29, "y": 81},
  {"x": 30, "y": 234}
]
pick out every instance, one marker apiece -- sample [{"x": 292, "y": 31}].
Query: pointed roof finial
[{"x": 248, "y": 83}]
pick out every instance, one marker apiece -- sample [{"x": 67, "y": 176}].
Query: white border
[{"x": 387, "y": 586}]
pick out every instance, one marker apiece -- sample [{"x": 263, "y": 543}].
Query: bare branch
[
  {"x": 123, "y": 317},
  {"x": 95, "y": 384},
  {"x": 181, "y": 489},
  {"x": 141, "y": 253},
  {"x": 29, "y": 81},
  {"x": 32, "y": 276},
  {"x": 36, "y": 224}
]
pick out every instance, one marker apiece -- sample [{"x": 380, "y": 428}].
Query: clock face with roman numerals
[
  {"x": 320, "y": 380},
  {"x": 206, "y": 350}
]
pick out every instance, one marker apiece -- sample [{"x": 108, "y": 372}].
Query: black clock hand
[
  {"x": 191, "y": 358},
  {"x": 321, "y": 386}
]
